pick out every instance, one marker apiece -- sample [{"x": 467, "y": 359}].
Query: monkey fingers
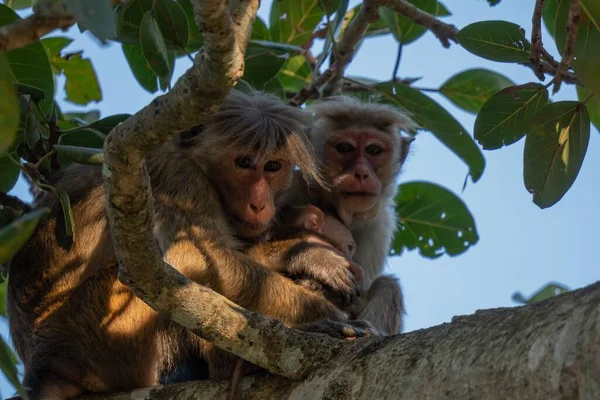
[
  {"x": 344, "y": 330},
  {"x": 309, "y": 261}
]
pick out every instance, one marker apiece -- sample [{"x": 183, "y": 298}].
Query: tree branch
[
  {"x": 444, "y": 32},
  {"x": 47, "y": 16},
  {"x": 572, "y": 26},
  {"x": 545, "y": 350},
  {"x": 536, "y": 39},
  {"x": 196, "y": 94}
]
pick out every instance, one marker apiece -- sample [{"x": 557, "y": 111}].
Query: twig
[
  {"x": 536, "y": 39},
  {"x": 568, "y": 77},
  {"x": 397, "y": 64},
  {"x": 572, "y": 26},
  {"x": 444, "y": 32},
  {"x": 47, "y": 16}
]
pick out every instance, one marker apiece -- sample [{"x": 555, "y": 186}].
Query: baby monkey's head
[{"x": 313, "y": 219}]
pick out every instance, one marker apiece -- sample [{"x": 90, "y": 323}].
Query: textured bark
[{"x": 547, "y": 350}]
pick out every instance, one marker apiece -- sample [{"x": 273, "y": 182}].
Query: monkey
[
  {"x": 362, "y": 151},
  {"x": 79, "y": 330}
]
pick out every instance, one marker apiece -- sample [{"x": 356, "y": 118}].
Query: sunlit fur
[{"x": 77, "y": 329}]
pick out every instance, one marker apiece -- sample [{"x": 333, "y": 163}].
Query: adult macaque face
[
  {"x": 353, "y": 159},
  {"x": 249, "y": 187}
]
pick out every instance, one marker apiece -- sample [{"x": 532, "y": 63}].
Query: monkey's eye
[
  {"x": 350, "y": 247},
  {"x": 273, "y": 166},
  {"x": 244, "y": 162},
  {"x": 344, "y": 147},
  {"x": 374, "y": 150}
]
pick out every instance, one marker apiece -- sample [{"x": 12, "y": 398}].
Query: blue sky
[{"x": 521, "y": 247}]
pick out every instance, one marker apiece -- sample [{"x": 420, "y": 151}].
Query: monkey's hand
[
  {"x": 343, "y": 330},
  {"x": 324, "y": 270}
]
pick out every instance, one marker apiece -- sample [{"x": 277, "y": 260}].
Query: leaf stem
[
  {"x": 587, "y": 99},
  {"x": 44, "y": 158},
  {"x": 426, "y": 89},
  {"x": 16, "y": 163},
  {"x": 397, "y": 64}
]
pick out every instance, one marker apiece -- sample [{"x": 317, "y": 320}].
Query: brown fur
[
  {"x": 362, "y": 190},
  {"x": 79, "y": 330}
]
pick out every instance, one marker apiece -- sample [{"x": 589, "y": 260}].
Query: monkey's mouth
[
  {"x": 253, "y": 226},
  {"x": 358, "y": 194}
]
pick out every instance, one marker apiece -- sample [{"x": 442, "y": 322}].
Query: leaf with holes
[
  {"x": 470, "y": 89},
  {"x": 153, "y": 46},
  {"x": 495, "y": 40},
  {"x": 505, "y": 118},
  {"x": 593, "y": 105},
  {"x": 81, "y": 83},
  {"x": 140, "y": 67},
  {"x": 96, "y": 15},
  {"x": 434, "y": 118},
  {"x": 554, "y": 150},
  {"x": 29, "y": 64},
  {"x": 432, "y": 219},
  {"x": 293, "y": 21},
  {"x": 9, "y": 106}
]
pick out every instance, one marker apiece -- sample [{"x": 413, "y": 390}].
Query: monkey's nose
[{"x": 257, "y": 209}]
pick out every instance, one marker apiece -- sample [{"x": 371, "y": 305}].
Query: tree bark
[{"x": 546, "y": 350}]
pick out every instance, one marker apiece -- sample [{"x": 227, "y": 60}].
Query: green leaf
[
  {"x": 29, "y": 64},
  {"x": 85, "y": 117},
  {"x": 391, "y": 19},
  {"x": 31, "y": 131},
  {"x": 96, "y": 15},
  {"x": 410, "y": 31},
  {"x": 80, "y": 155},
  {"x": 65, "y": 203},
  {"x": 9, "y": 106},
  {"x": 105, "y": 125},
  {"x": 20, "y": 4},
  {"x": 153, "y": 46},
  {"x": 506, "y": 117},
  {"x": 433, "y": 219},
  {"x": 495, "y": 40},
  {"x": 36, "y": 94},
  {"x": 332, "y": 31},
  {"x": 442, "y": 10},
  {"x": 547, "y": 292},
  {"x": 554, "y": 150},
  {"x": 173, "y": 22},
  {"x": 3, "y": 297},
  {"x": 81, "y": 84},
  {"x": 85, "y": 138},
  {"x": 295, "y": 73},
  {"x": 260, "y": 30},
  {"x": 593, "y": 105},
  {"x": 17, "y": 233},
  {"x": 275, "y": 87},
  {"x": 470, "y": 89},
  {"x": 9, "y": 172},
  {"x": 140, "y": 68},
  {"x": 586, "y": 57},
  {"x": 293, "y": 21},
  {"x": 9, "y": 369},
  {"x": 262, "y": 64},
  {"x": 434, "y": 118},
  {"x": 549, "y": 13},
  {"x": 132, "y": 13}
]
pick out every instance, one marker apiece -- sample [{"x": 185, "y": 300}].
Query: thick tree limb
[
  {"x": 47, "y": 16},
  {"x": 129, "y": 202},
  {"x": 547, "y": 350}
]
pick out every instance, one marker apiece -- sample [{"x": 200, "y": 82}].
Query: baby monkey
[{"x": 316, "y": 228}]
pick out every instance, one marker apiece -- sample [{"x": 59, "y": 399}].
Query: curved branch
[{"x": 194, "y": 97}]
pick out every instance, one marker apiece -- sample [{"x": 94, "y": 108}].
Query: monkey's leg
[{"x": 384, "y": 306}]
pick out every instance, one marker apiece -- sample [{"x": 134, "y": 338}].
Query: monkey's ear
[
  {"x": 404, "y": 147},
  {"x": 313, "y": 218}
]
